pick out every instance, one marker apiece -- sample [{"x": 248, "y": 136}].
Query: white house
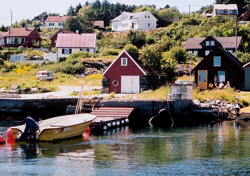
[
  {"x": 71, "y": 43},
  {"x": 54, "y": 22},
  {"x": 226, "y": 10},
  {"x": 134, "y": 21}
]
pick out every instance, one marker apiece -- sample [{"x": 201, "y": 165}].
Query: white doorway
[{"x": 130, "y": 84}]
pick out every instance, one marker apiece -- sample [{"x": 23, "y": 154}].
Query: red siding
[{"x": 116, "y": 71}]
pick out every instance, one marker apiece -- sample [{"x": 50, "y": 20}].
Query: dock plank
[{"x": 107, "y": 114}]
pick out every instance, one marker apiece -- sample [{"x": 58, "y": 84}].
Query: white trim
[
  {"x": 126, "y": 61},
  {"x": 124, "y": 51}
]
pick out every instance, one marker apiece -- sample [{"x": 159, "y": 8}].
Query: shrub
[
  {"x": 131, "y": 48},
  {"x": 79, "y": 54},
  {"x": 62, "y": 59},
  {"x": 1, "y": 62},
  {"x": 109, "y": 52}
]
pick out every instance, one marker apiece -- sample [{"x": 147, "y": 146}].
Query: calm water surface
[{"x": 211, "y": 149}]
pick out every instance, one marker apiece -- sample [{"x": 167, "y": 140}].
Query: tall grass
[{"x": 223, "y": 94}]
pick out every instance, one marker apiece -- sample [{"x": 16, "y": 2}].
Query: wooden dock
[{"x": 110, "y": 117}]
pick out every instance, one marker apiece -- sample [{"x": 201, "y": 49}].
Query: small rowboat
[{"x": 56, "y": 128}]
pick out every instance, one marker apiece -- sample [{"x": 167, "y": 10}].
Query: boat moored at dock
[{"x": 52, "y": 129}]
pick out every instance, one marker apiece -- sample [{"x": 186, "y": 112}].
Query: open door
[{"x": 202, "y": 79}]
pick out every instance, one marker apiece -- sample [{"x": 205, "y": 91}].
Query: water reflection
[{"x": 216, "y": 148}]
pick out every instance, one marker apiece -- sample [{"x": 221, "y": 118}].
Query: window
[
  {"x": 148, "y": 16},
  {"x": 9, "y": 40},
  {"x": 230, "y": 51},
  {"x": 225, "y": 12},
  {"x": 221, "y": 12},
  {"x": 221, "y": 76},
  {"x": 55, "y": 41},
  {"x": 124, "y": 62},
  {"x": 202, "y": 76},
  {"x": 51, "y": 24},
  {"x": 22, "y": 40},
  {"x": 207, "y": 43},
  {"x": 231, "y": 18},
  {"x": 66, "y": 51},
  {"x": 145, "y": 16},
  {"x": 216, "y": 11},
  {"x": 190, "y": 52},
  {"x": 2, "y": 41},
  {"x": 16, "y": 40},
  {"x": 83, "y": 49},
  {"x": 212, "y": 43},
  {"x": 195, "y": 53},
  {"x": 60, "y": 24},
  {"x": 33, "y": 40},
  {"x": 207, "y": 52},
  {"x": 217, "y": 61},
  {"x": 148, "y": 24}
]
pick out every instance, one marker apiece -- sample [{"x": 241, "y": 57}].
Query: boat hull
[{"x": 59, "y": 128}]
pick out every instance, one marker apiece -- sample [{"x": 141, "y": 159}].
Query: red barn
[{"x": 124, "y": 74}]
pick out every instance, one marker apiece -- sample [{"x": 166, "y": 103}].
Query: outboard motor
[{"x": 31, "y": 127}]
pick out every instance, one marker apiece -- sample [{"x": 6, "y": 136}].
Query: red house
[
  {"x": 123, "y": 75},
  {"x": 25, "y": 37},
  {"x": 54, "y": 37}
]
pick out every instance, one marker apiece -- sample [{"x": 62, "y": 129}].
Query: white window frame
[
  {"x": 215, "y": 61},
  {"x": 84, "y": 49},
  {"x": 124, "y": 61},
  {"x": 207, "y": 52},
  {"x": 195, "y": 53},
  {"x": 212, "y": 43},
  {"x": 207, "y": 43},
  {"x": 66, "y": 50}
]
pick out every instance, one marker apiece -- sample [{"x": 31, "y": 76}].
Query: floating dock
[{"x": 110, "y": 117}]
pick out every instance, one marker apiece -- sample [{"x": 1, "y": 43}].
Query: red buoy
[
  {"x": 9, "y": 134},
  {"x": 88, "y": 129},
  {"x": 2, "y": 140}
]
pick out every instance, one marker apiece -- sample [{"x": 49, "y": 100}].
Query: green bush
[
  {"x": 131, "y": 48},
  {"x": 62, "y": 59},
  {"x": 109, "y": 52},
  {"x": 79, "y": 54},
  {"x": 78, "y": 68}
]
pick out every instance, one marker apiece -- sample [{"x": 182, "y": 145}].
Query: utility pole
[
  {"x": 189, "y": 11},
  {"x": 236, "y": 52},
  {"x": 9, "y": 32}
]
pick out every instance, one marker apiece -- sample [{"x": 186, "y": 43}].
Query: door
[
  {"x": 221, "y": 76},
  {"x": 130, "y": 84},
  {"x": 133, "y": 25},
  {"x": 202, "y": 79}
]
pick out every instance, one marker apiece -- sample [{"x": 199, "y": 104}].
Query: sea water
[{"x": 221, "y": 148}]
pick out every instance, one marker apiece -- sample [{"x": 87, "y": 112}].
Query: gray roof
[{"x": 226, "y": 42}]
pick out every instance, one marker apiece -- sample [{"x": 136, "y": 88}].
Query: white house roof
[
  {"x": 132, "y": 15},
  {"x": 85, "y": 40},
  {"x": 226, "y": 6}
]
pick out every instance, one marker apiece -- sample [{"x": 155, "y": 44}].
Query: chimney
[
  {"x": 77, "y": 31},
  {"x": 26, "y": 27}
]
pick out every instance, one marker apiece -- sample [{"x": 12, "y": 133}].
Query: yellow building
[{"x": 226, "y": 10}]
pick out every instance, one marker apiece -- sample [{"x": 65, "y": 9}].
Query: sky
[{"x": 28, "y": 9}]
